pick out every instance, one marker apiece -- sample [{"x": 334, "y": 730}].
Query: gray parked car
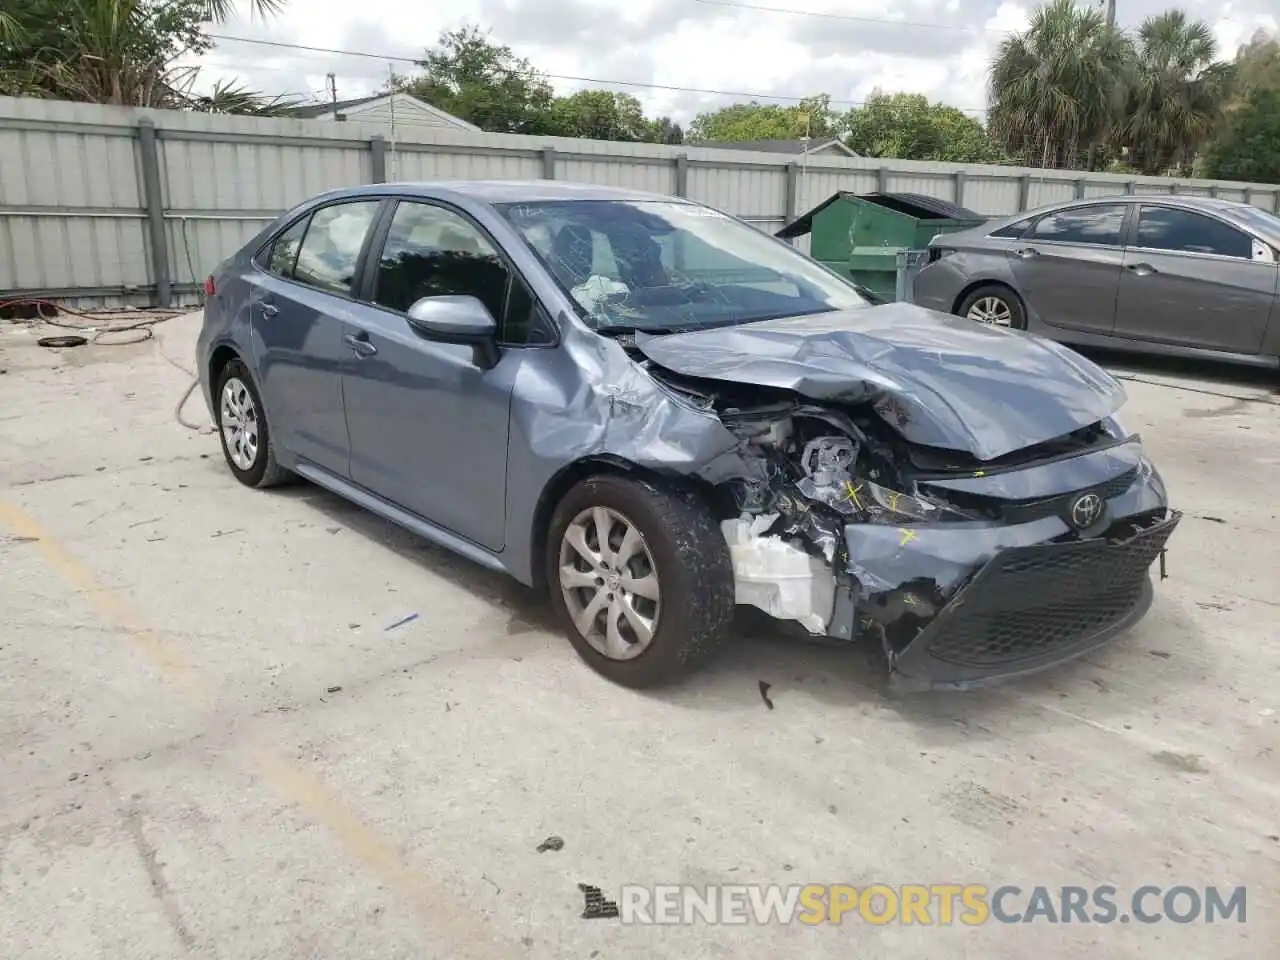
[
  {"x": 656, "y": 412},
  {"x": 1174, "y": 275}
]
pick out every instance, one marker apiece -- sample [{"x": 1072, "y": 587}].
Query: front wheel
[
  {"x": 996, "y": 306},
  {"x": 641, "y": 577}
]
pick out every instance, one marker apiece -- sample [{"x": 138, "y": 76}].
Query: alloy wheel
[
  {"x": 239, "y": 421},
  {"x": 610, "y": 583},
  {"x": 991, "y": 310}
]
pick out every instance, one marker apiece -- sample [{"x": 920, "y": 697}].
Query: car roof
[{"x": 501, "y": 191}]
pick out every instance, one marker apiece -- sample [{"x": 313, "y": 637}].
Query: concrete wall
[{"x": 108, "y": 206}]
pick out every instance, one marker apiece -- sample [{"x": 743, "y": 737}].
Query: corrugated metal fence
[{"x": 113, "y": 206}]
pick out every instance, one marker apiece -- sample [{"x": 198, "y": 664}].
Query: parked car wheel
[
  {"x": 641, "y": 576},
  {"x": 242, "y": 427},
  {"x": 995, "y": 305}
]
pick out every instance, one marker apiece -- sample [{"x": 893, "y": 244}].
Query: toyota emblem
[{"x": 1086, "y": 511}]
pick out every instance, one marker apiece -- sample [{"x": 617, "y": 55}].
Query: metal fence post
[
  {"x": 789, "y": 196},
  {"x": 548, "y": 163},
  {"x": 153, "y": 199},
  {"x": 378, "y": 158},
  {"x": 1024, "y": 192},
  {"x": 1248, "y": 195},
  {"x": 960, "y": 177},
  {"x": 1131, "y": 187},
  {"x": 1173, "y": 188},
  {"x": 1213, "y": 191},
  {"x": 1080, "y": 189},
  {"x": 882, "y": 180},
  {"x": 682, "y": 175}
]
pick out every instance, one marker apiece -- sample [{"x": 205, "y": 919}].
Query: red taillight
[{"x": 208, "y": 287}]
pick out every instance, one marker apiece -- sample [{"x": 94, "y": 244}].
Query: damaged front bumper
[
  {"x": 959, "y": 605},
  {"x": 1033, "y": 607}
]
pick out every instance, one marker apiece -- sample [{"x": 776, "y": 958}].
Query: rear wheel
[
  {"x": 242, "y": 427},
  {"x": 996, "y": 306},
  {"x": 641, "y": 577}
]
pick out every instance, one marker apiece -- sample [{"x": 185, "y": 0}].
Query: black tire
[
  {"x": 997, "y": 291},
  {"x": 690, "y": 561},
  {"x": 263, "y": 471}
]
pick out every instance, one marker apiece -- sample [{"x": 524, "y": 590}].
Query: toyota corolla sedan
[
  {"x": 654, "y": 412},
  {"x": 1187, "y": 276}
]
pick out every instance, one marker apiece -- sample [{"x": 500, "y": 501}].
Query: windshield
[
  {"x": 1260, "y": 220},
  {"x": 655, "y": 265}
]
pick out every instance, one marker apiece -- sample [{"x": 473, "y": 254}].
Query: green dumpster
[{"x": 861, "y": 235}]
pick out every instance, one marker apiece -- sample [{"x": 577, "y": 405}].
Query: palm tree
[
  {"x": 1058, "y": 89},
  {"x": 1179, "y": 92},
  {"x": 109, "y": 51}
]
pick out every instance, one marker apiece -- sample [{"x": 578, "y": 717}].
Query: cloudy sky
[{"x": 779, "y": 48}]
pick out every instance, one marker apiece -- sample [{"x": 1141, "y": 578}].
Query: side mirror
[
  {"x": 458, "y": 319},
  {"x": 453, "y": 319}
]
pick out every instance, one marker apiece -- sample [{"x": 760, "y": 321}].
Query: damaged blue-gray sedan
[{"x": 655, "y": 412}]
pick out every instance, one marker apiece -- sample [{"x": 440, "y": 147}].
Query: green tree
[
  {"x": 756, "y": 121},
  {"x": 1178, "y": 94},
  {"x": 1257, "y": 65},
  {"x": 111, "y": 51},
  {"x": 665, "y": 130},
  {"x": 482, "y": 82},
  {"x": 1249, "y": 147},
  {"x": 599, "y": 115},
  {"x": 906, "y": 126},
  {"x": 1059, "y": 89}
]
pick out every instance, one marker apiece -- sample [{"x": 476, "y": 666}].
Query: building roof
[
  {"x": 325, "y": 111},
  {"x": 791, "y": 147}
]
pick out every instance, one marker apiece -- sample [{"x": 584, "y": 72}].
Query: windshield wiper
[{"x": 622, "y": 329}]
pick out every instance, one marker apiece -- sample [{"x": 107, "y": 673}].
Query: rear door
[
  {"x": 1194, "y": 280},
  {"x": 299, "y": 301},
  {"x": 1067, "y": 267}
]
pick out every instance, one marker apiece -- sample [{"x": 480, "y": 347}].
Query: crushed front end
[{"x": 962, "y": 571}]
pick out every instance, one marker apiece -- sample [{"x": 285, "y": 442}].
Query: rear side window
[
  {"x": 1013, "y": 230},
  {"x": 330, "y": 250},
  {"x": 1101, "y": 225},
  {"x": 284, "y": 252},
  {"x": 1166, "y": 228}
]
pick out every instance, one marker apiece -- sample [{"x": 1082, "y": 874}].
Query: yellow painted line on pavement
[
  {"x": 446, "y": 916},
  {"x": 164, "y": 656}
]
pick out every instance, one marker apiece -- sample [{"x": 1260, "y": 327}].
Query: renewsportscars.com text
[{"x": 927, "y": 904}]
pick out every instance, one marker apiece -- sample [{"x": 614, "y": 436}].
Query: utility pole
[
  {"x": 1111, "y": 12},
  {"x": 331, "y": 84}
]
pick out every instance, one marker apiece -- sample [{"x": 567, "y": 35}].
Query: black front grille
[
  {"x": 1028, "y": 511},
  {"x": 1010, "y": 636},
  {"x": 1039, "y": 603}
]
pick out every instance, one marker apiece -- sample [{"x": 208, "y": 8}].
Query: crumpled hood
[{"x": 938, "y": 380}]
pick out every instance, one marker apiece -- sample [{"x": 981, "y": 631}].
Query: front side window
[
  {"x": 1100, "y": 225},
  {"x": 330, "y": 250},
  {"x": 1168, "y": 228},
  {"x": 669, "y": 265},
  {"x": 433, "y": 252}
]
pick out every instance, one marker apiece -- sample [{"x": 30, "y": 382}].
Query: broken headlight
[{"x": 869, "y": 501}]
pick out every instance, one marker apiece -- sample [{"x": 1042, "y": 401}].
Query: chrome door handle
[
  {"x": 1141, "y": 269},
  {"x": 269, "y": 309},
  {"x": 360, "y": 344},
  {"x": 1028, "y": 254}
]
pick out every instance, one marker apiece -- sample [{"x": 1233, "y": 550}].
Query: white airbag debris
[
  {"x": 595, "y": 290},
  {"x": 782, "y": 580}
]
